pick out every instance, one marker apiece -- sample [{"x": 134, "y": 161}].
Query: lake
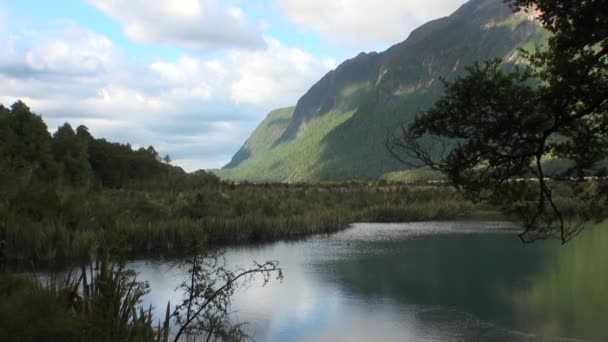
[{"x": 432, "y": 281}]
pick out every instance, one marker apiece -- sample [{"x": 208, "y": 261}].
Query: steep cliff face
[{"x": 337, "y": 129}]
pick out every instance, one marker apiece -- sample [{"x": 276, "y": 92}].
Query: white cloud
[
  {"x": 74, "y": 51},
  {"x": 365, "y": 24},
  {"x": 193, "y": 24},
  {"x": 274, "y": 77},
  {"x": 278, "y": 74},
  {"x": 199, "y": 110}
]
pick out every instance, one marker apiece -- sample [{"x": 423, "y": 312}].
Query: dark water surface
[{"x": 449, "y": 281}]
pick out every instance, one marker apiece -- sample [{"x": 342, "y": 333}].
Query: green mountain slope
[{"x": 338, "y": 127}]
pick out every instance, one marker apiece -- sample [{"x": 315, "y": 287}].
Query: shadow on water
[
  {"x": 544, "y": 290},
  {"x": 571, "y": 295}
]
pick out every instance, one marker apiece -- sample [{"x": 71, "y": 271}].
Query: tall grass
[
  {"x": 101, "y": 304},
  {"x": 158, "y": 221}
]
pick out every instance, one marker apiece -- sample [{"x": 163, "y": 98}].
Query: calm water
[{"x": 416, "y": 282}]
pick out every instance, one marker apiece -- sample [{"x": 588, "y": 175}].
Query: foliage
[
  {"x": 85, "y": 197},
  {"x": 31, "y": 156},
  {"x": 205, "y": 308},
  {"x": 495, "y": 126},
  {"x": 104, "y": 307},
  {"x": 104, "y": 304},
  {"x": 166, "y": 220},
  {"x": 71, "y": 152},
  {"x": 419, "y": 175}
]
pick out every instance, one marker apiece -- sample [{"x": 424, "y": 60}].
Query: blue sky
[{"x": 191, "y": 77}]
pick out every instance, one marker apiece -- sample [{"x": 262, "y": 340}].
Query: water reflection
[{"x": 400, "y": 282}]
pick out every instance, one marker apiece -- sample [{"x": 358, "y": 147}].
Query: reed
[
  {"x": 94, "y": 304},
  {"x": 163, "y": 221}
]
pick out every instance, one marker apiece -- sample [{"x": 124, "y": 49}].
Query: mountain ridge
[{"x": 337, "y": 128}]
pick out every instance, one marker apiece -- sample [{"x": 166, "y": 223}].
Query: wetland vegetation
[
  {"x": 495, "y": 134},
  {"x": 69, "y": 195}
]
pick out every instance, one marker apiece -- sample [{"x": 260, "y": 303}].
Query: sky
[{"x": 191, "y": 77}]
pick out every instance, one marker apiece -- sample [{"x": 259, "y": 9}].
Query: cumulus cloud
[
  {"x": 278, "y": 74},
  {"x": 193, "y": 24},
  {"x": 75, "y": 52},
  {"x": 363, "y": 24},
  {"x": 197, "y": 109},
  {"x": 273, "y": 77}
]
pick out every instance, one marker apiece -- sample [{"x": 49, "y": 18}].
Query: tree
[
  {"x": 494, "y": 126},
  {"x": 28, "y": 143},
  {"x": 205, "y": 308},
  {"x": 153, "y": 152},
  {"x": 71, "y": 152}
]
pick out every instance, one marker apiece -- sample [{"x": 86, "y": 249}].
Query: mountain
[{"x": 337, "y": 129}]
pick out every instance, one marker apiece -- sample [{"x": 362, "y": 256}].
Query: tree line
[{"x": 71, "y": 157}]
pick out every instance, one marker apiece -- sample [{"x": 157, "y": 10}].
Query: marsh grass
[
  {"x": 93, "y": 304},
  {"x": 163, "y": 220}
]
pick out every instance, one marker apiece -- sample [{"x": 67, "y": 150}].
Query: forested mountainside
[{"x": 337, "y": 129}]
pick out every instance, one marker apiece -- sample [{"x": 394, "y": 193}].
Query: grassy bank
[{"x": 167, "y": 220}]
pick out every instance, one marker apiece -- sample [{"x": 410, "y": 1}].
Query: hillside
[{"x": 337, "y": 129}]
